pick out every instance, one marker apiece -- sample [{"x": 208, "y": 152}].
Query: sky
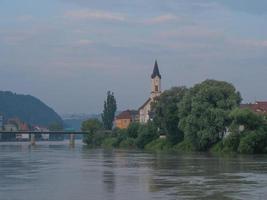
[{"x": 69, "y": 53}]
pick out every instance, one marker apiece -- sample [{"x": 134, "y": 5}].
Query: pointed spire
[{"x": 156, "y": 71}]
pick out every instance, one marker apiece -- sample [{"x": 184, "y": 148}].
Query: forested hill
[{"x": 28, "y": 108}]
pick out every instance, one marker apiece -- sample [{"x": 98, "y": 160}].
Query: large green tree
[
  {"x": 204, "y": 112},
  {"x": 166, "y": 111},
  {"x": 110, "y": 107},
  {"x": 92, "y": 126}
]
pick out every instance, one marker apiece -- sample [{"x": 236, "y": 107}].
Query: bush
[
  {"x": 253, "y": 142},
  {"x": 132, "y": 130},
  {"x": 109, "y": 142},
  {"x": 146, "y": 134},
  {"x": 217, "y": 148},
  {"x": 185, "y": 146},
  {"x": 231, "y": 142},
  {"x": 129, "y": 143},
  {"x": 159, "y": 145},
  {"x": 94, "y": 139}
]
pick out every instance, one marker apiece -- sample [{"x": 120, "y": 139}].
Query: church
[{"x": 144, "y": 110}]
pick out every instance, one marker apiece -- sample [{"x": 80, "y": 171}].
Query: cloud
[
  {"x": 95, "y": 15},
  {"x": 162, "y": 19}
]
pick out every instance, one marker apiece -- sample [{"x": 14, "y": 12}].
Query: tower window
[{"x": 156, "y": 88}]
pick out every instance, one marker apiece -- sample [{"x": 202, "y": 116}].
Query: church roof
[
  {"x": 147, "y": 101},
  {"x": 156, "y": 71}
]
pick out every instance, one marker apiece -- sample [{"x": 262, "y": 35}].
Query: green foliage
[
  {"x": 93, "y": 138},
  {"x": 247, "y": 118},
  {"x": 159, "y": 145},
  {"x": 91, "y": 125},
  {"x": 253, "y": 142},
  {"x": 132, "y": 130},
  {"x": 146, "y": 134},
  {"x": 166, "y": 111},
  {"x": 204, "y": 112},
  {"x": 217, "y": 148},
  {"x": 109, "y": 142},
  {"x": 28, "y": 108},
  {"x": 128, "y": 143},
  {"x": 195, "y": 119},
  {"x": 110, "y": 107},
  {"x": 231, "y": 142},
  {"x": 185, "y": 146}
]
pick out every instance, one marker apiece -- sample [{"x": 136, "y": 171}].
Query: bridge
[{"x": 33, "y": 133}]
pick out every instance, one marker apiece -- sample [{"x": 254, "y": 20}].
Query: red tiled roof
[
  {"x": 258, "y": 107},
  {"x": 125, "y": 115}
]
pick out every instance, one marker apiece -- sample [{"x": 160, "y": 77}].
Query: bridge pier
[
  {"x": 33, "y": 141},
  {"x": 72, "y": 140}
]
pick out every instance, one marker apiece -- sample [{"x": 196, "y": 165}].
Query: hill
[{"x": 28, "y": 108}]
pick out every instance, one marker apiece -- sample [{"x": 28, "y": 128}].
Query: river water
[{"x": 54, "y": 171}]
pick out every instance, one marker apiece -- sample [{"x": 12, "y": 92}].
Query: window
[{"x": 156, "y": 88}]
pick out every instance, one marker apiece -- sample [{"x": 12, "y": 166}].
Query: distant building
[
  {"x": 144, "y": 110},
  {"x": 10, "y": 127},
  {"x": 125, "y": 118},
  {"x": 15, "y": 124},
  {"x": 259, "y": 107},
  {"x": 44, "y": 136}
]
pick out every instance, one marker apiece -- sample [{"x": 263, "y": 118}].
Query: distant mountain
[{"x": 28, "y": 108}]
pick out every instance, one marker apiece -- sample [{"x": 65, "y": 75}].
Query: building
[
  {"x": 144, "y": 110},
  {"x": 15, "y": 124},
  {"x": 259, "y": 107},
  {"x": 44, "y": 136},
  {"x": 125, "y": 118}
]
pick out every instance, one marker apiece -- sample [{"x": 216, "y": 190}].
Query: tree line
[{"x": 205, "y": 117}]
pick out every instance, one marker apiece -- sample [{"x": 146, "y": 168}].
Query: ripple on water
[{"x": 55, "y": 171}]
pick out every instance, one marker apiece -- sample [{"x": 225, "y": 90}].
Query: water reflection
[{"x": 55, "y": 171}]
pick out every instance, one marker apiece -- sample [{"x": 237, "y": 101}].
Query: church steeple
[
  {"x": 156, "y": 81},
  {"x": 156, "y": 71}
]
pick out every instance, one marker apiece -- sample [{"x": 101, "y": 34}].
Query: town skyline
[{"x": 70, "y": 53}]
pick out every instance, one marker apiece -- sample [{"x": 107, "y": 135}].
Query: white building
[{"x": 144, "y": 110}]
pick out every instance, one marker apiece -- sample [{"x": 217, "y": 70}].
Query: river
[{"x": 54, "y": 171}]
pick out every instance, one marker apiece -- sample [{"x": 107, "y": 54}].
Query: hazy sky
[{"x": 69, "y": 53}]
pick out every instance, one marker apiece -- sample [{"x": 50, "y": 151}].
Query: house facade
[
  {"x": 125, "y": 118},
  {"x": 144, "y": 110}
]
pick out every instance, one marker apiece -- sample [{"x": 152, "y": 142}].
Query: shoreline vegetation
[{"x": 204, "y": 118}]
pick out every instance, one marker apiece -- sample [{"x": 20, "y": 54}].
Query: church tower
[{"x": 156, "y": 82}]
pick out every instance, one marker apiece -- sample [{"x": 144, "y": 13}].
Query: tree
[
  {"x": 246, "y": 118},
  {"x": 166, "y": 113},
  {"x": 253, "y": 142},
  {"x": 204, "y": 112},
  {"x": 91, "y": 126},
  {"x": 109, "y": 111},
  {"x": 132, "y": 130},
  {"x": 146, "y": 133}
]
